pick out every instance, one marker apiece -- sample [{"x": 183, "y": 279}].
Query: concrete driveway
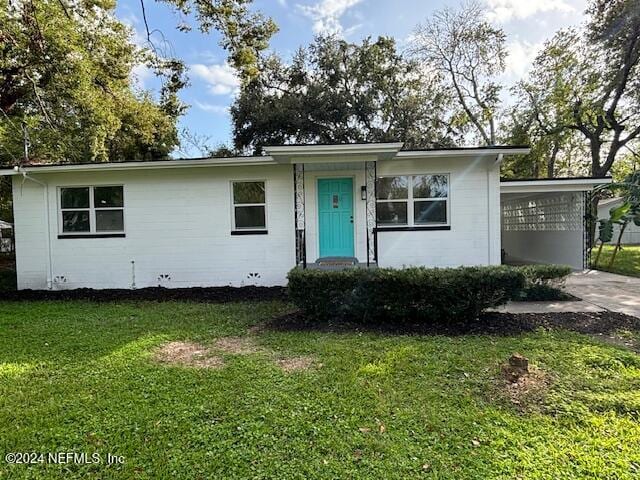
[{"x": 617, "y": 293}]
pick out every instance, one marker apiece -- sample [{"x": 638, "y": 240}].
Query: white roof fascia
[
  {"x": 553, "y": 185},
  {"x": 609, "y": 201},
  {"x": 466, "y": 152}
]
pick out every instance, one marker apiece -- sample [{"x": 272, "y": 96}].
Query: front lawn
[
  {"x": 85, "y": 377},
  {"x": 627, "y": 260}
]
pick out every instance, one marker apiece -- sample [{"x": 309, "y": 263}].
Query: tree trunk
[
  {"x": 551, "y": 162},
  {"x": 596, "y": 171},
  {"x": 617, "y": 247},
  {"x": 595, "y": 262}
]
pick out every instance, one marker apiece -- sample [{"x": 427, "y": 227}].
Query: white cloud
[
  {"x": 521, "y": 55},
  {"x": 505, "y": 10},
  {"x": 209, "y": 107},
  {"x": 221, "y": 78},
  {"x": 326, "y": 15},
  {"x": 140, "y": 74}
]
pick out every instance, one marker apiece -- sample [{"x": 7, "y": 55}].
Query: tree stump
[{"x": 517, "y": 368}]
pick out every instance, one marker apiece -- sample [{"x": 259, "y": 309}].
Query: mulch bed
[
  {"x": 500, "y": 324},
  {"x": 154, "y": 294}
]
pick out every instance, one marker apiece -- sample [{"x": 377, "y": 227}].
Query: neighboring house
[
  {"x": 631, "y": 234},
  {"x": 6, "y": 237},
  {"x": 249, "y": 220}
]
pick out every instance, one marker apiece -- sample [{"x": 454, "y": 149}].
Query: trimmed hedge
[
  {"x": 411, "y": 294},
  {"x": 543, "y": 282}
]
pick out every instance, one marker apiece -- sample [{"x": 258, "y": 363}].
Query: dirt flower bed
[
  {"x": 154, "y": 294},
  {"x": 490, "y": 323}
]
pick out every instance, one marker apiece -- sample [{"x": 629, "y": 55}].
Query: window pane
[
  {"x": 109, "y": 221},
  {"x": 430, "y": 186},
  {"x": 74, "y": 197},
  {"x": 392, "y": 213},
  {"x": 248, "y": 192},
  {"x": 430, "y": 212},
  {"x": 392, "y": 188},
  {"x": 250, "y": 217},
  {"x": 75, "y": 221},
  {"x": 107, "y": 197}
]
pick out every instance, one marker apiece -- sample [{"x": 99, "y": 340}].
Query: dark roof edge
[{"x": 155, "y": 160}]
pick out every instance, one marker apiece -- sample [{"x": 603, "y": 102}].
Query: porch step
[{"x": 337, "y": 263}]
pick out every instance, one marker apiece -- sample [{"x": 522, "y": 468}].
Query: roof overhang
[
  {"x": 552, "y": 185},
  {"x": 361, "y": 152},
  {"x": 286, "y": 154},
  {"x": 151, "y": 165},
  {"x": 466, "y": 152}
]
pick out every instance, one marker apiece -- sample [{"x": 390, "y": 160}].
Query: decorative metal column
[
  {"x": 372, "y": 240},
  {"x": 298, "y": 193},
  {"x": 585, "y": 208}
]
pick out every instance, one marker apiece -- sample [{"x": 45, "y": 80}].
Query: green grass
[
  {"x": 627, "y": 260},
  {"x": 79, "y": 377}
]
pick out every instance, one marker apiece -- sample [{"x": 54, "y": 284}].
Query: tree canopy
[
  {"x": 65, "y": 78},
  {"x": 469, "y": 53},
  {"x": 339, "y": 92},
  {"x": 585, "y": 83}
]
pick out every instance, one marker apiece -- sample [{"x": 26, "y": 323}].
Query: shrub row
[
  {"x": 411, "y": 294},
  {"x": 543, "y": 282}
]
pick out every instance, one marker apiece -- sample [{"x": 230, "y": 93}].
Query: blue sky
[{"x": 528, "y": 23}]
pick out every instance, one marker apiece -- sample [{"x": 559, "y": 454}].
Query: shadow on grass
[
  {"x": 496, "y": 324},
  {"x": 77, "y": 332}
]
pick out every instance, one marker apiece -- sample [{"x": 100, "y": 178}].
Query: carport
[{"x": 546, "y": 221}]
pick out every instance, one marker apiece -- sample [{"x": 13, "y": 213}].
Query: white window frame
[
  {"x": 92, "y": 212},
  {"x": 410, "y": 201},
  {"x": 234, "y": 205}
]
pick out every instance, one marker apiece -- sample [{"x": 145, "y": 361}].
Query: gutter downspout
[
  {"x": 495, "y": 164},
  {"x": 48, "y": 216}
]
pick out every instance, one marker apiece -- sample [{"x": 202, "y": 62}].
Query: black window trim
[
  {"x": 92, "y": 233},
  {"x": 410, "y": 201}
]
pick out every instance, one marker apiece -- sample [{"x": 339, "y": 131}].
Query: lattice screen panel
[{"x": 550, "y": 212}]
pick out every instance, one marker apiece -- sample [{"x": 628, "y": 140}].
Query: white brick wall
[
  {"x": 467, "y": 243},
  {"x": 30, "y": 234},
  {"x": 177, "y": 222}
]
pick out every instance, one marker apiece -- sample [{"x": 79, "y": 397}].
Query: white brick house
[{"x": 249, "y": 220}]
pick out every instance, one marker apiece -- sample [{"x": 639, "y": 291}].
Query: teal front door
[{"x": 335, "y": 217}]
